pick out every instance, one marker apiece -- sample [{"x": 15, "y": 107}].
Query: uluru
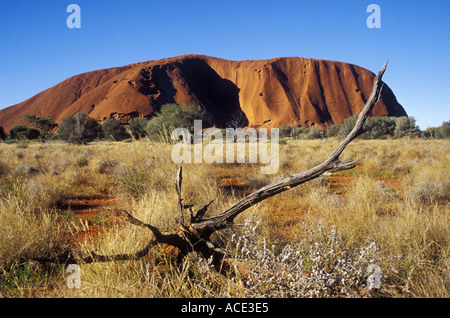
[{"x": 259, "y": 93}]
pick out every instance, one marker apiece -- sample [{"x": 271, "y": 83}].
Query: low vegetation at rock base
[
  {"x": 379, "y": 230},
  {"x": 81, "y": 129}
]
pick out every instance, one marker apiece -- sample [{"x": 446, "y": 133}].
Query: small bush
[
  {"x": 106, "y": 167},
  {"x": 16, "y": 129},
  {"x": 442, "y": 131},
  {"x": 114, "y": 130},
  {"x": 172, "y": 116},
  {"x": 314, "y": 133},
  {"x": 406, "y": 127},
  {"x": 431, "y": 192},
  {"x": 22, "y": 132},
  {"x": 19, "y": 277},
  {"x": 4, "y": 169},
  {"x": 132, "y": 180},
  {"x": 2, "y": 133},
  {"x": 25, "y": 170},
  {"x": 308, "y": 133},
  {"x": 137, "y": 127},
  {"x": 333, "y": 131},
  {"x": 44, "y": 125},
  {"x": 379, "y": 127},
  {"x": 82, "y": 162},
  {"x": 285, "y": 131},
  {"x": 42, "y": 194},
  {"x": 323, "y": 268},
  {"x": 347, "y": 126},
  {"x": 79, "y": 129}
]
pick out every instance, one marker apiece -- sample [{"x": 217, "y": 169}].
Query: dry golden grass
[{"x": 396, "y": 199}]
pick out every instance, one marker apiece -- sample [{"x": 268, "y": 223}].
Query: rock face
[{"x": 270, "y": 93}]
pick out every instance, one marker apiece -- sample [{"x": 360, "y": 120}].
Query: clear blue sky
[{"x": 38, "y": 50}]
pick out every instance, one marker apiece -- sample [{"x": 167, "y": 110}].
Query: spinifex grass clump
[
  {"x": 132, "y": 180},
  {"x": 25, "y": 233}
]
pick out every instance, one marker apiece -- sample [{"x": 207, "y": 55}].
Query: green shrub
[
  {"x": 285, "y": 131},
  {"x": 333, "y": 131},
  {"x": 430, "y": 132},
  {"x": 442, "y": 131},
  {"x": 16, "y": 129},
  {"x": 44, "y": 125},
  {"x": 22, "y": 132},
  {"x": 172, "y": 116},
  {"x": 10, "y": 141},
  {"x": 79, "y": 129},
  {"x": 20, "y": 276},
  {"x": 114, "y": 130},
  {"x": 137, "y": 127},
  {"x": 406, "y": 127},
  {"x": 312, "y": 133},
  {"x": 382, "y": 127},
  {"x": 82, "y": 162},
  {"x": 379, "y": 127},
  {"x": 133, "y": 181},
  {"x": 307, "y": 133},
  {"x": 2, "y": 133}
]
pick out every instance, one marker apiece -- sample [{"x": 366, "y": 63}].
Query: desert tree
[
  {"x": 172, "y": 116},
  {"x": 406, "y": 126},
  {"x": 113, "y": 129},
  {"x": 444, "y": 129},
  {"x": 79, "y": 129},
  {"x": 137, "y": 127},
  {"x": 194, "y": 230},
  {"x": 45, "y": 125}
]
